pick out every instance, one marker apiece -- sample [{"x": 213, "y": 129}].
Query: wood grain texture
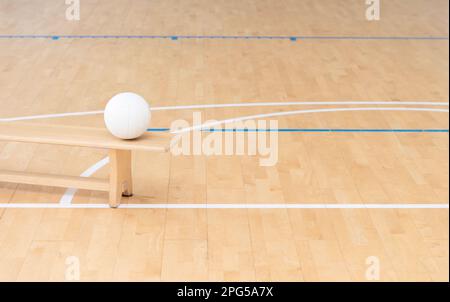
[
  {"x": 42, "y": 179},
  {"x": 72, "y": 75}
]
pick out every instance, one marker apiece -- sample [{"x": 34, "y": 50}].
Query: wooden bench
[{"x": 120, "y": 152}]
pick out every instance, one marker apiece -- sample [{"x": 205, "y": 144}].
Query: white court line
[
  {"x": 228, "y": 206},
  {"x": 70, "y": 192},
  {"x": 232, "y": 105},
  {"x": 306, "y": 103},
  {"x": 285, "y": 113},
  {"x": 45, "y": 116}
]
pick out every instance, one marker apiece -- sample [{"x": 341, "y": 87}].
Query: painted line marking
[
  {"x": 288, "y": 113},
  {"x": 227, "y": 206},
  {"x": 230, "y": 105},
  {"x": 48, "y": 116},
  {"x": 304, "y": 103},
  {"x": 300, "y": 130},
  {"x": 224, "y": 37},
  {"x": 70, "y": 192}
]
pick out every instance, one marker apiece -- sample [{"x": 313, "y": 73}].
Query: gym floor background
[{"x": 63, "y": 75}]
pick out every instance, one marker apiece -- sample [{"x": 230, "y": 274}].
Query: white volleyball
[{"x": 127, "y": 115}]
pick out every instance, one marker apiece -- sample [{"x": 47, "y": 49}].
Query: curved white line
[
  {"x": 70, "y": 192},
  {"x": 69, "y": 195},
  {"x": 44, "y": 116},
  {"x": 232, "y": 105},
  {"x": 275, "y": 114},
  {"x": 306, "y": 103}
]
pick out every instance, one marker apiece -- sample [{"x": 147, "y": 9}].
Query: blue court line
[
  {"x": 158, "y": 129},
  {"x": 306, "y": 130},
  {"x": 214, "y": 37}
]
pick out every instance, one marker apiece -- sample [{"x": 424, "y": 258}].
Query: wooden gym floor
[{"x": 48, "y": 76}]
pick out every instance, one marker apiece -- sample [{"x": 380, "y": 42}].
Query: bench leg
[{"x": 120, "y": 181}]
